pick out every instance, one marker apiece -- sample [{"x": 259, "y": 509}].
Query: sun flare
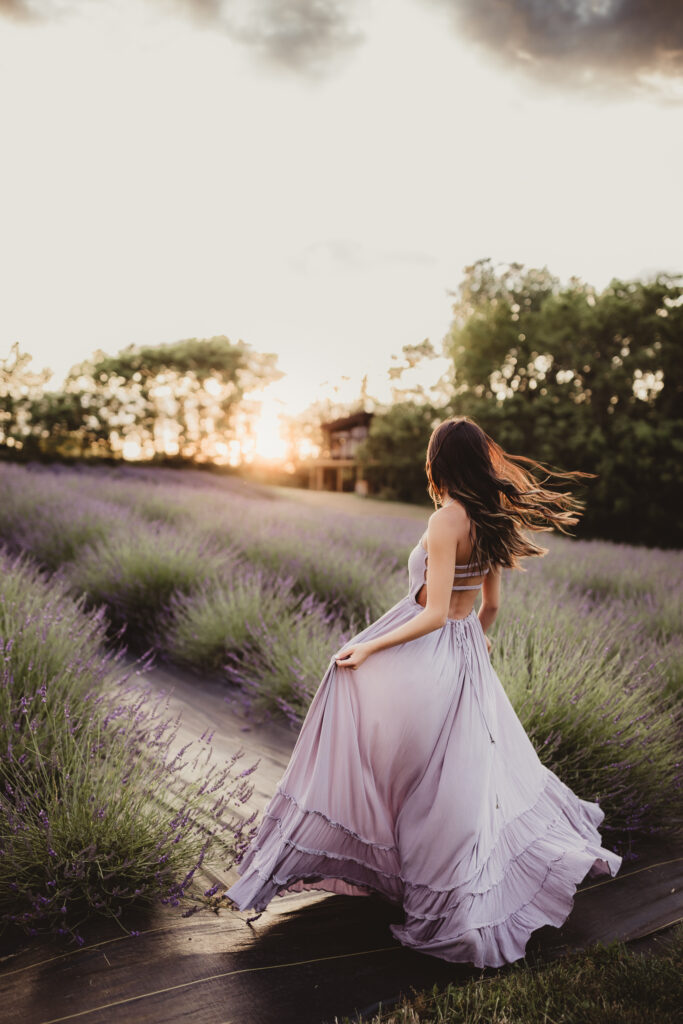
[{"x": 267, "y": 441}]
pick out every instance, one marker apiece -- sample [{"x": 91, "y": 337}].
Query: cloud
[
  {"x": 595, "y": 43},
  {"x": 343, "y": 254},
  {"x": 19, "y": 9},
  {"x": 308, "y": 36},
  {"x": 300, "y": 35}
]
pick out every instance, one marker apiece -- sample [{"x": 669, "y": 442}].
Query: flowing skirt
[{"x": 412, "y": 777}]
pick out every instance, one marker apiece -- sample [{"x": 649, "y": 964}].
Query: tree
[
  {"x": 63, "y": 424},
  {"x": 393, "y": 454},
  {"x": 171, "y": 399},
  {"x": 580, "y": 380},
  {"x": 420, "y": 375},
  {"x": 19, "y": 387},
  {"x": 177, "y": 399}
]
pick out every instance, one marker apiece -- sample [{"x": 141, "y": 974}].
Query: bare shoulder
[
  {"x": 454, "y": 516},
  {"x": 448, "y": 523}
]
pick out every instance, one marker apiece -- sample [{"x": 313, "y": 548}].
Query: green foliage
[
  {"x": 584, "y": 380},
  {"x": 586, "y": 703},
  {"x": 171, "y": 399},
  {"x": 202, "y": 358},
  {"x": 93, "y": 813},
  {"x": 281, "y": 665},
  {"x": 573, "y": 377},
  {"x": 603, "y": 985},
  {"x": 203, "y": 626},
  {"x": 393, "y": 455},
  {"x": 65, "y": 422},
  {"x": 19, "y": 386},
  {"x": 45, "y": 522},
  {"x": 136, "y": 575},
  {"x": 361, "y": 587}
]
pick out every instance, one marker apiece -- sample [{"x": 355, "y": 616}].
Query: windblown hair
[{"x": 500, "y": 497}]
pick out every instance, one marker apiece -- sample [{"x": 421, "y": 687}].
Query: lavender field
[
  {"x": 258, "y": 591},
  {"x": 94, "y": 816}
]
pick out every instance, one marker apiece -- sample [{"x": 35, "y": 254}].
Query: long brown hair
[{"x": 500, "y": 497}]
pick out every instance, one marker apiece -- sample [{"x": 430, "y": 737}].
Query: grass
[{"x": 603, "y": 985}]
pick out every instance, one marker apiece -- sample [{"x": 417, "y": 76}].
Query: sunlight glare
[{"x": 269, "y": 444}]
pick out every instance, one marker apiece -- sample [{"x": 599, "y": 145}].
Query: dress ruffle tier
[{"x": 528, "y": 879}]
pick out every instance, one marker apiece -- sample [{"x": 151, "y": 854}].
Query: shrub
[
  {"x": 42, "y": 517},
  {"x": 201, "y": 627},
  {"x": 94, "y": 812},
  {"x": 283, "y": 662},
  {"x": 587, "y": 704},
  {"x": 136, "y": 574}
]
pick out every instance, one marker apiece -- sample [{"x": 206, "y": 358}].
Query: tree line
[
  {"x": 574, "y": 377},
  {"x": 171, "y": 400}
]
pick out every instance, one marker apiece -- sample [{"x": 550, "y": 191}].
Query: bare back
[{"x": 466, "y": 582}]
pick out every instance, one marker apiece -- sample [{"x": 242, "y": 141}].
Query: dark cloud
[
  {"x": 590, "y": 42},
  {"x": 594, "y": 43},
  {"x": 302, "y": 35},
  {"x": 19, "y": 9}
]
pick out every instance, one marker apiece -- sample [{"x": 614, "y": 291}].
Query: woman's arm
[{"x": 442, "y": 542}]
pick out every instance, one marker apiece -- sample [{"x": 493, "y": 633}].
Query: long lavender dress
[{"x": 413, "y": 777}]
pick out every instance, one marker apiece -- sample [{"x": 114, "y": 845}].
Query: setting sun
[{"x": 268, "y": 442}]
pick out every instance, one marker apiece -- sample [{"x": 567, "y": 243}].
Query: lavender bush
[
  {"x": 589, "y": 640},
  {"x": 586, "y": 702},
  {"x": 287, "y": 540},
  {"x": 44, "y": 519},
  {"x": 136, "y": 574},
  {"x": 200, "y": 628},
  {"x": 282, "y": 662},
  {"x": 95, "y": 811}
]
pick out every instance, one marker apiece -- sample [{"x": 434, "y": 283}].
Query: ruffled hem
[
  {"x": 294, "y": 842},
  {"x": 528, "y": 880},
  {"x": 495, "y": 943},
  {"x": 557, "y": 821}
]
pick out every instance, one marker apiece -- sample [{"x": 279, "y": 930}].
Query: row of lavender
[
  {"x": 207, "y": 576},
  {"x": 588, "y": 641},
  {"x": 94, "y": 815}
]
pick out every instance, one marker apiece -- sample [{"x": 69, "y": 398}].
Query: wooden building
[{"x": 336, "y": 468}]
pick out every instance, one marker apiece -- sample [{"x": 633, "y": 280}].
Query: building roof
[{"x": 356, "y": 419}]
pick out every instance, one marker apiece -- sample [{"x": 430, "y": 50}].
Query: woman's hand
[
  {"x": 353, "y": 656},
  {"x": 488, "y": 643}
]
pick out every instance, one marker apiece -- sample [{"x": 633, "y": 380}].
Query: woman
[{"x": 412, "y": 776}]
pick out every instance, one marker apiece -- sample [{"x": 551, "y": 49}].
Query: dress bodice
[{"x": 417, "y": 571}]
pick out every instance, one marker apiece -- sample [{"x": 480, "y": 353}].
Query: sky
[{"x": 312, "y": 176}]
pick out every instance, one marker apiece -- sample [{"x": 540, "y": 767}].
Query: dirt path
[{"x": 305, "y": 959}]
